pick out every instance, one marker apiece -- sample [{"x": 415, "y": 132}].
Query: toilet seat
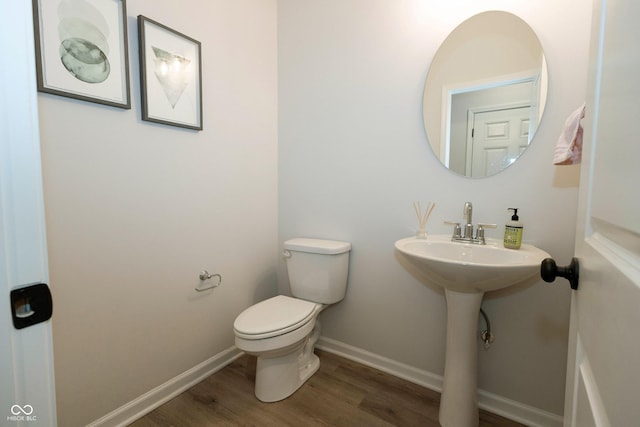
[{"x": 274, "y": 316}]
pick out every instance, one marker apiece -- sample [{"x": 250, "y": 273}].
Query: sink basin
[
  {"x": 466, "y": 271},
  {"x": 465, "y": 267}
]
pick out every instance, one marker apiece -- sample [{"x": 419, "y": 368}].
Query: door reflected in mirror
[{"x": 485, "y": 94}]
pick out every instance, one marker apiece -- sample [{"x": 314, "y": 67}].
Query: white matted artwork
[
  {"x": 171, "y": 76},
  {"x": 82, "y": 50}
]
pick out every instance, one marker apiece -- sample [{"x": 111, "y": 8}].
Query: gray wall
[
  {"x": 135, "y": 210},
  {"x": 353, "y": 156}
]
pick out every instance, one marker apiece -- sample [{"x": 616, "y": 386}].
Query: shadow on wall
[
  {"x": 267, "y": 286},
  {"x": 566, "y": 176}
]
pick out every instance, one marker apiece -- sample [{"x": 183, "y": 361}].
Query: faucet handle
[
  {"x": 457, "y": 231},
  {"x": 483, "y": 225},
  {"x": 480, "y": 230}
]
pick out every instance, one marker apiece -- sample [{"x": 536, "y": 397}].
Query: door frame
[
  {"x": 449, "y": 91},
  {"x": 27, "y": 386}
]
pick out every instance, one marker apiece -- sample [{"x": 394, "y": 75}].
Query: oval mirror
[{"x": 485, "y": 94}]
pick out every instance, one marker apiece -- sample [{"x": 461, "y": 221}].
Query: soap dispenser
[{"x": 513, "y": 231}]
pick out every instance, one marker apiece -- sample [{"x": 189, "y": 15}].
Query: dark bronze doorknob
[{"x": 549, "y": 271}]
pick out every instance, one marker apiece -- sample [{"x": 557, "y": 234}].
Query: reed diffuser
[{"x": 423, "y": 218}]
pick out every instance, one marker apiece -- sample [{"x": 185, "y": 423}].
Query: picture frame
[
  {"x": 170, "y": 76},
  {"x": 82, "y": 50}
]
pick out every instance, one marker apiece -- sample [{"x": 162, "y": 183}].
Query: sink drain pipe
[{"x": 486, "y": 336}]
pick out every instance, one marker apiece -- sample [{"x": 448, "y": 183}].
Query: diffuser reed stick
[{"x": 423, "y": 218}]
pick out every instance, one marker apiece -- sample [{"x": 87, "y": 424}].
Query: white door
[
  {"x": 27, "y": 392},
  {"x": 497, "y": 138},
  {"x": 603, "y": 379}
]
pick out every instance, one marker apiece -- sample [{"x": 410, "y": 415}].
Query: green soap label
[{"x": 512, "y": 236}]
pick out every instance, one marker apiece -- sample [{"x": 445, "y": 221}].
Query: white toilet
[{"x": 282, "y": 331}]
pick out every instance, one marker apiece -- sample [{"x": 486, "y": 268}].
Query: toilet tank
[{"x": 317, "y": 269}]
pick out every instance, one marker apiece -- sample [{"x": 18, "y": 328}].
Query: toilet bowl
[
  {"x": 282, "y": 331},
  {"x": 279, "y": 332}
]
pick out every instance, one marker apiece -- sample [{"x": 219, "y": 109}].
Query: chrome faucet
[
  {"x": 464, "y": 233},
  {"x": 467, "y": 215}
]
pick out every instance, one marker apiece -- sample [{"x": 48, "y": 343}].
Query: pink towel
[{"x": 569, "y": 145}]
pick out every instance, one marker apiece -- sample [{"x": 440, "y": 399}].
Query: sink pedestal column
[{"x": 459, "y": 401}]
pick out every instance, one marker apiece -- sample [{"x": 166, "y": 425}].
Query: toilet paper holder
[{"x": 204, "y": 276}]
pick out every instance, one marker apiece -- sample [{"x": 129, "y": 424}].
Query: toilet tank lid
[{"x": 317, "y": 246}]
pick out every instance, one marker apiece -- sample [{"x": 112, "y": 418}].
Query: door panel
[
  {"x": 603, "y": 380},
  {"x": 498, "y": 138},
  {"x": 619, "y": 110}
]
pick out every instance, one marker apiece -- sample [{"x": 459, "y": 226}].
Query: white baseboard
[
  {"x": 146, "y": 403},
  {"x": 397, "y": 369},
  {"x": 507, "y": 408}
]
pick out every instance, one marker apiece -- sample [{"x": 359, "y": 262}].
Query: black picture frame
[
  {"x": 82, "y": 50},
  {"x": 170, "y": 76}
]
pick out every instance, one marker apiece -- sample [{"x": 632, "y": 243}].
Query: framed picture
[
  {"x": 82, "y": 50},
  {"x": 171, "y": 76}
]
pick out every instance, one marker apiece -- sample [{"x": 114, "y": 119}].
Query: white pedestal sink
[{"x": 466, "y": 272}]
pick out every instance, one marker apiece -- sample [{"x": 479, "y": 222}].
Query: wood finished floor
[{"x": 341, "y": 393}]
